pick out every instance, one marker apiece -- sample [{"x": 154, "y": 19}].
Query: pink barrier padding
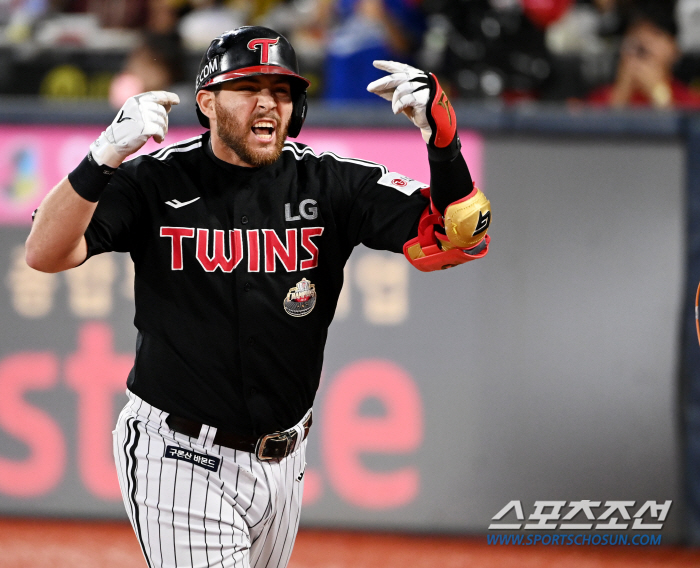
[
  {"x": 32, "y": 160},
  {"x": 35, "y": 158}
]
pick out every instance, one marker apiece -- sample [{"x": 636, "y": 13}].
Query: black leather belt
[{"x": 273, "y": 446}]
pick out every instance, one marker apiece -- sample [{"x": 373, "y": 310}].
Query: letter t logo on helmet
[
  {"x": 248, "y": 51},
  {"x": 264, "y": 44}
]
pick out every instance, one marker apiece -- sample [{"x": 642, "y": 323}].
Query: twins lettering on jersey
[{"x": 262, "y": 248}]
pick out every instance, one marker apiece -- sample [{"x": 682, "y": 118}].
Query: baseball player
[{"x": 239, "y": 238}]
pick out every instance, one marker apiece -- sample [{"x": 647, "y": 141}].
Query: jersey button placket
[{"x": 244, "y": 219}]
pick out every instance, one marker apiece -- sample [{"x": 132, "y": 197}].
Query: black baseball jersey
[{"x": 238, "y": 272}]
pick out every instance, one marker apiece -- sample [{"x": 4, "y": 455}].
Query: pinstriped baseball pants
[{"x": 243, "y": 515}]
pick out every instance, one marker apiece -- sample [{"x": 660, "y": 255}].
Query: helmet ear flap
[{"x": 298, "y": 114}]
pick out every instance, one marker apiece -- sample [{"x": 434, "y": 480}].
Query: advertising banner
[{"x": 504, "y": 392}]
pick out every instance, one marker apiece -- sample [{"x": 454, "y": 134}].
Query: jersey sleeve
[
  {"x": 116, "y": 217},
  {"x": 385, "y": 207}
]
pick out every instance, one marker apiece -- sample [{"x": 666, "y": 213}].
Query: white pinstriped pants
[{"x": 244, "y": 515}]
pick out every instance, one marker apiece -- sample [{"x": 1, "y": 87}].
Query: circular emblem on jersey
[
  {"x": 301, "y": 299},
  {"x": 399, "y": 182}
]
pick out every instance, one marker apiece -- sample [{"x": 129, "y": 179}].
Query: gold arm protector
[{"x": 466, "y": 221}]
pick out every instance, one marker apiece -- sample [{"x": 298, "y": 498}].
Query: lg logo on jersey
[
  {"x": 305, "y": 211},
  {"x": 263, "y": 248}
]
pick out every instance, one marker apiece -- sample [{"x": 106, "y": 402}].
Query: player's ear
[{"x": 205, "y": 100}]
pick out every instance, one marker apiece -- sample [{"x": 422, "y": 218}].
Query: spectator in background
[
  {"x": 163, "y": 16},
  {"x": 19, "y": 16},
  {"x": 208, "y": 19},
  {"x": 155, "y": 65},
  {"x": 305, "y": 24},
  {"x": 368, "y": 30},
  {"x": 111, "y": 13},
  {"x": 487, "y": 49},
  {"x": 648, "y": 54}
]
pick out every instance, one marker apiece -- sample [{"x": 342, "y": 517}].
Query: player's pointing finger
[
  {"x": 165, "y": 98},
  {"x": 393, "y": 66}
]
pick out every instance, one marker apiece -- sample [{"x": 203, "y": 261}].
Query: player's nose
[{"x": 266, "y": 99}]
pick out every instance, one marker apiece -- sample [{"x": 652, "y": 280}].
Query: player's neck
[{"x": 224, "y": 152}]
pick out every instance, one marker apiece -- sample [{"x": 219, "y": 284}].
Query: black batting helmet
[{"x": 253, "y": 50}]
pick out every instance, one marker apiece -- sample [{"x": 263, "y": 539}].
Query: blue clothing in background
[{"x": 357, "y": 42}]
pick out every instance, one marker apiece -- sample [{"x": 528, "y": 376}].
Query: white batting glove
[
  {"x": 408, "y": 89},
  {"x": 141, "y": 117}
]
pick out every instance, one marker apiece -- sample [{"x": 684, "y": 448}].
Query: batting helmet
[{"x": 253, "y": 50}]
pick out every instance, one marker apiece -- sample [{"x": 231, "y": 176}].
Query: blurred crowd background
[{"x": 603, "y": 52}]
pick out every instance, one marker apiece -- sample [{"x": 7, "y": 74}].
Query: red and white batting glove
[
  {"x": 419, "y": 96},
  {"x": 141, "y": 117}
]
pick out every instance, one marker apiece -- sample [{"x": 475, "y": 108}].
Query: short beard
[{"x": 233, "y": 133}]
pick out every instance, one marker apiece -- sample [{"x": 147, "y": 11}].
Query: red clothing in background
[{"x": 683, "y": 96}]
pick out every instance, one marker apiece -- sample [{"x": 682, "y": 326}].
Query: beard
[{"x": 233, "y": 132}]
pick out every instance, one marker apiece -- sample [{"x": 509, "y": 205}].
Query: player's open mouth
[{"x": 263, "y": 130}]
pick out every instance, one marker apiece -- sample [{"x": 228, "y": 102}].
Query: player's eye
[{"x": 245, "y": 87}]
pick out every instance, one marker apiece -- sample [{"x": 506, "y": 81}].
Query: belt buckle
[{"x": 274, "y": 437}]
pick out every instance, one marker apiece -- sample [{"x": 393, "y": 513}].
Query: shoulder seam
[
  {"x": 181, "y": 146},
  {"x": 299, "y": 154}
]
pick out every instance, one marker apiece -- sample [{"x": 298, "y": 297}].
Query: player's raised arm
[
  {"x": 56, "y": 241},
  {"x": 459, "y": 208}
]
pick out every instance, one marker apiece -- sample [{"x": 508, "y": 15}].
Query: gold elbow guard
[{"x": 467, "y": 220}]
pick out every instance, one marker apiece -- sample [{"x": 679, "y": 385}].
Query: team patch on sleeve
[
  {"x": 207, "y": 462},
  {"x": 401, "y": 183}
]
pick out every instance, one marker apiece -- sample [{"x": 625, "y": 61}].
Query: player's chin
[
  {"x": 266, "y": 151},
  {"x": 264, "y": 155}
]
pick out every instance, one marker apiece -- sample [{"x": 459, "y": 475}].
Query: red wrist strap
[{"x": 444, "y": 117}]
